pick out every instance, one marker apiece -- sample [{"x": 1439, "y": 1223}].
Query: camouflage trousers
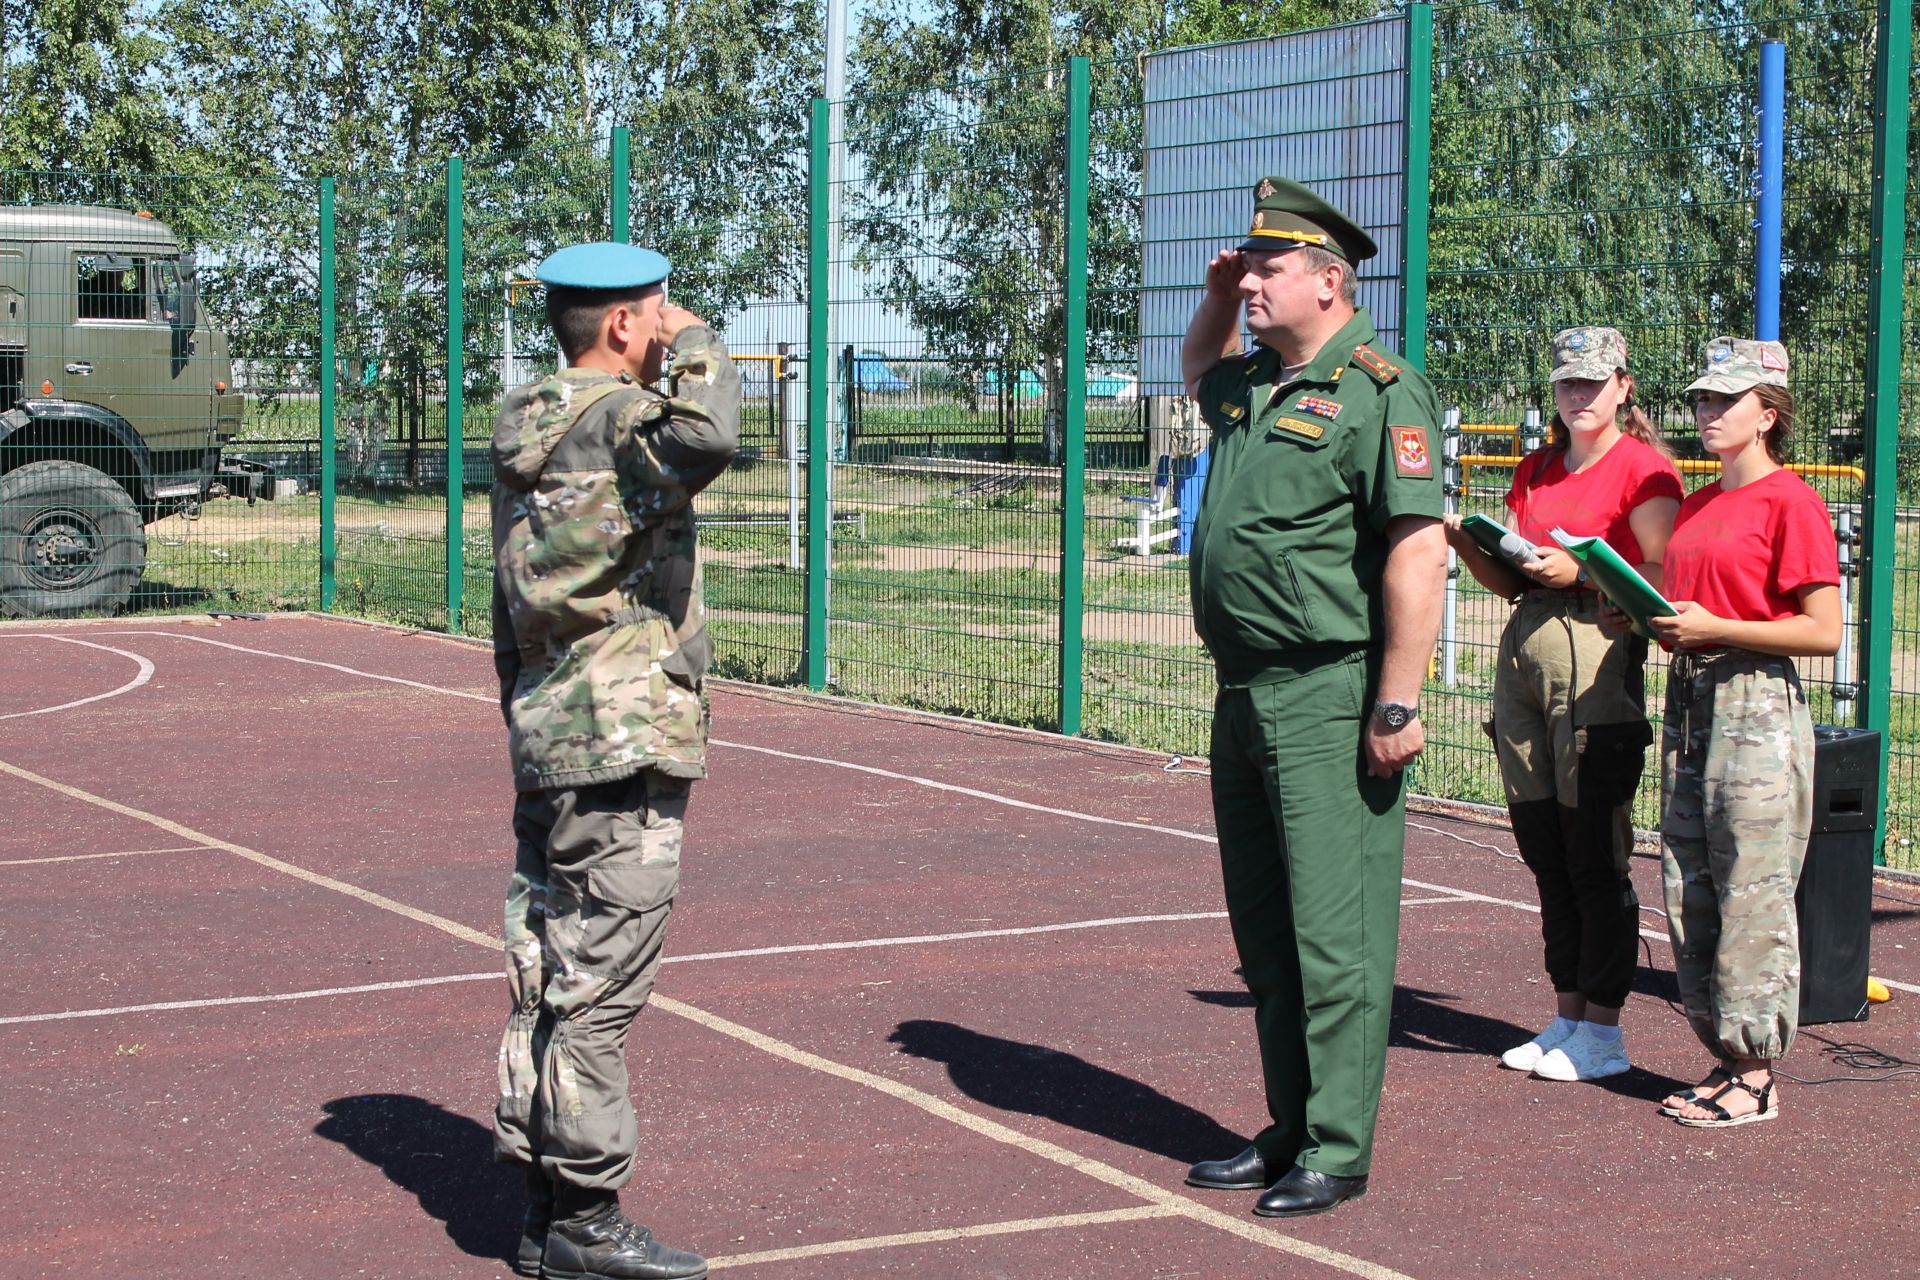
[
  {"x": 1737, "y": 803},
  {"x": 593, "y": 882}
]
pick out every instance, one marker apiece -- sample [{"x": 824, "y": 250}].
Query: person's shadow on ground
[
  {"x": 1433, "y": 1022},
  {"x": 1012, "y": 1075},
  {"x": 1426, "y": 1020},
  {"x": 444, "y": 1160}
]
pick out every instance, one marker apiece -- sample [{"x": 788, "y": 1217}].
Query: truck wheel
[{"x": 71, "y": 541}]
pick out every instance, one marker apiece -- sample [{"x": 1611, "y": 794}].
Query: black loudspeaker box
[{"x": 1835, "y": 898}]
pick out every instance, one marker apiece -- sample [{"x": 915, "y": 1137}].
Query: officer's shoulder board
[{"x": 1381, "y": 369}]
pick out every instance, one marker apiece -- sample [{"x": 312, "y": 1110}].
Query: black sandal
[
  {"x": 1762, "y": 1094},
  {"x": 1693, "y": 1093}
]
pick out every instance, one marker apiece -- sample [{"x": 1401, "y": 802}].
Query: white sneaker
[
  {"x": 1584, "y": 1056},
  {"x": 1525, "y": 1057}
]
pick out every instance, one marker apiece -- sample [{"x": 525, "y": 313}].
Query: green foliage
[
  {"x": 958, "y": 135},
  {"x": 1596, "y": 166},
  {"x": 84, "y": 88},
  {"x": 1219, "y": 21}
]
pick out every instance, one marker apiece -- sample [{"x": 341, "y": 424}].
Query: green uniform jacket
[
  {"x": 599, "y": 631},
  {"x": 1290, "y": 544}
]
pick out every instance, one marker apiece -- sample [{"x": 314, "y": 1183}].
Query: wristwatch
[{"x": 1395, "y": 715}]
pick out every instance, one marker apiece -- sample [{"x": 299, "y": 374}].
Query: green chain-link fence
[
  {"x": 131, "y": 307},
  {"x": 1581, "y": 180},
  {"x": 963, "y": 462}
]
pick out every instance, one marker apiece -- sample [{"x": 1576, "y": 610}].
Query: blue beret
[{"x": 603, "y": 265}]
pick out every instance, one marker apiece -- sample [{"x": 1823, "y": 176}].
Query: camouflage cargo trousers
[
  {"x": 593, "y": 882},
  {"x": 1737, "y": 803}
]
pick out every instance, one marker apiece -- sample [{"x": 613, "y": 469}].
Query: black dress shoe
[
  {"x": 1244, "y": 1172},
  {"x": 1304, "y": 1191}
]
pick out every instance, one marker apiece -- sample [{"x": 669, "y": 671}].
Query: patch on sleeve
[{"x": 1410, "y": 456}]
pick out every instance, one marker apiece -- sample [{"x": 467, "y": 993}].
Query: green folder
[
  {"x": 1619, "y": 581},
  {"x": 1491, "y": 534}
]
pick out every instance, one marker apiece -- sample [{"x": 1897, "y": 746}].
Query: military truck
[{"x": 115, "y": 404}]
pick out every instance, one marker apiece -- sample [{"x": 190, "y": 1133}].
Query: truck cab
[{"x": 115, "y": 403}]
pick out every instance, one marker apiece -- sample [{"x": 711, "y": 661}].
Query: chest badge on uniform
[
  {"x": 1320, "y": 406},
  {"x": 1233, "y": 412},
  {"x": 1410, "y": 456},
  {"x": 1301, "y": 427}
]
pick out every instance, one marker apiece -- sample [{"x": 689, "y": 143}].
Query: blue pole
[{"x": 1773, "y": 135}]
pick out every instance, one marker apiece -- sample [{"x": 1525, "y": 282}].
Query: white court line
[
  {"x": 997, "y": 1132},
  {"x": 168, "y": 1005},
  {"x": 272, "y": 863},
  {"x": 694, "y": 957},
  {"x": 145, "y": 674},
  {"x": 1059, "y": 1222},
  {"x": 690, "y": 958},
  {"x": 990, "y": 1129},
  {"x": 988, "y": 796},
  {"x": 930, "y": 783},
  {"x": 85, "y": 857},
  {"x": 914, "y": 939}
]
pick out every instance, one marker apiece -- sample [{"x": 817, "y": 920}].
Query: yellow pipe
[
  {"x": 1688, "y": 466},
  {"x": 778, "y": 361}
]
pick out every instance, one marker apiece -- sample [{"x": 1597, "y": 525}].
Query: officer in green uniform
[{"x": 1318, "y": 565}]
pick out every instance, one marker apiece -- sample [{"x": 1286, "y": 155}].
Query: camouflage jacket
[{"x": 599, "y": 631}]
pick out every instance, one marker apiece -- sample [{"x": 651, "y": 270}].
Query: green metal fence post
[
  {"x": 819, "y": 367},
  {"x": 619, "y": 151},
  {"x": 456, "y": 390},
  {"x": 1073, "y": 442},
  {"x": 327, "y": 371},
  {"x": 1892, "y": 69},
  {"x": 1413, "y": 289}
]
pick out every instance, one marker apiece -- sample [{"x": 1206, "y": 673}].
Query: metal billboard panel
[{"x": 1327, "y": 108}]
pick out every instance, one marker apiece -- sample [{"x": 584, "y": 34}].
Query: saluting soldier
[
  {"x": 1318, "y": 566},
  {"x": 600, "y": 642}
]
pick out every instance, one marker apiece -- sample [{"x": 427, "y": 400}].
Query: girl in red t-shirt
[
  {"x": 1754, "y": 575},
  {"x": 1569, "y": 700}
]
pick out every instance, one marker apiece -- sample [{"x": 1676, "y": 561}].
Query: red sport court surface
[{"x": 941, "y": 1000}]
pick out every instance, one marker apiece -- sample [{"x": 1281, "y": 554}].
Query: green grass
[{"x": 973, "y": 631}]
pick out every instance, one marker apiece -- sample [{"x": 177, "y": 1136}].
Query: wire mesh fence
[
  {"x": 949, "y": 495},
  {"x": 1609, "y": 177},
  {"x": 150, "y": 327}
]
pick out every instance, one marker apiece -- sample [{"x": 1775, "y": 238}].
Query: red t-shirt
[
  {"x": 1744, "y": 553},
  {"x": 1595, "y": 501}
]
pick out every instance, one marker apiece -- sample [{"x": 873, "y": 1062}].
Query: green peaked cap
[{"x": 1286, "y": 214}]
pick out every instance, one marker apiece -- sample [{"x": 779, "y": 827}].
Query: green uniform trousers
[
  {"x": 593, "y": 883},
  {"x": 1311, "y": 850}
]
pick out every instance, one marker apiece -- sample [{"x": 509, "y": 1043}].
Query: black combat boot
[
  {"x": 590, "y": 1239},
  {"x": 533, "y": 1233}
]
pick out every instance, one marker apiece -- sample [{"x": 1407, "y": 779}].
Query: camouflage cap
[
  {"x": 1592, "y": 352},
  {"x": 1286, "y": 215},
  {"x": 1739, "y": 364}
]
